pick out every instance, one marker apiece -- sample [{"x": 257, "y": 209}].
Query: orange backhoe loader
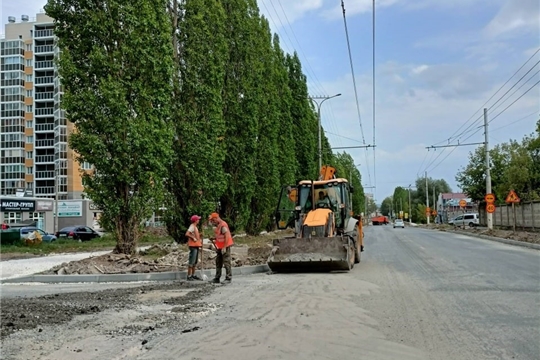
[{"x": 327, "y": 235}]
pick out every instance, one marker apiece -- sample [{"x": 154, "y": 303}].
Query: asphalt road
[{"x": 417, "y": 294}]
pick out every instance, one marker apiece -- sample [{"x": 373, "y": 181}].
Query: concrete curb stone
[
  {"x": 497, "y": 239},
  {"x": 103, "y": 278}
]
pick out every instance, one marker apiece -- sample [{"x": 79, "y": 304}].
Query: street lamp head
[{"x": 338, "y": 94}]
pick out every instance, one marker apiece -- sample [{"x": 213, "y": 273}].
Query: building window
[
  {"x": 86, "y": 166},
  {"x": 12, "y": 217},
  {"x": 29, "y": 124},
  {"x": 28, "y": 62},
  {"x": 29, "y": 47},
  {"x": 28, "y": 78},
  {"x": 30, "y": 139},
  {"x": 29, "y": 154},
  {"x": 29, "y": 108},
  {"x": 36, "y": 216},
  {"x": 28, "y": 93},
  {"x": 30, "y": 170}
]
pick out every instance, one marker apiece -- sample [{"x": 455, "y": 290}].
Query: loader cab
[
  {"x": 296, "y": 201},
  {"x": 331, "y": 194}
]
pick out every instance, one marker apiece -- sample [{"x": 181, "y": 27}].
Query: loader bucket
[{"x": 311, "y": 254}]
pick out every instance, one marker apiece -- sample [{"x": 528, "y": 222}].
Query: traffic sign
[
  {"x": 428, "y": 210},
  {"x": 490, "y": 198},
  {"x": 434, "y": 213},
  {"x": 490, "y": 208},
  {"x": 463, "y": 203},
  {"x": 512, "y": 197}
]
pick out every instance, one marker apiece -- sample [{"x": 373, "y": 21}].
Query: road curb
[
  {"x": 493, "y": 238},
  {"x": 105, "y": 278}
]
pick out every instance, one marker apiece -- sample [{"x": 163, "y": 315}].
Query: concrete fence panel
[{"x": 527, "y": 216}]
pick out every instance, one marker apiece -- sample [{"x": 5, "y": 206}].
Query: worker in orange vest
[
  {"x": 223, "y": 242},
  {"x": 194, "y": 244}
]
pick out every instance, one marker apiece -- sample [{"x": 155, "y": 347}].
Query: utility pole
[
  {"x": 410, "y": 208},
  {"x": 323, "y": 98},
  {"x": 434, "y": 202},
  {"x": 427, "y": 199},
  {"x": 488, "y": 171}
]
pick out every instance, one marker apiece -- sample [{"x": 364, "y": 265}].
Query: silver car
[
  {"x": 399, "y": 223},
  {"x": 469, "y": 219}
]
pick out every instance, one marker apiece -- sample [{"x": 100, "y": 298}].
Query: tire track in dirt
[{"x": 300, "y": 316}]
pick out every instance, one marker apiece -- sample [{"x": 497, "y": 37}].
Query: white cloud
[
  {"x": 425, "y": 109},
  {"x": 283, "y": 12},
  {"x": 419, "y": 69},
  {"x": 515, "y": 16}
]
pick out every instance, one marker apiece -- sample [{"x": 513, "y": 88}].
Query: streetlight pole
[
  {"x": 488, "y": 172},
  {"x": 323, "y": 98}
]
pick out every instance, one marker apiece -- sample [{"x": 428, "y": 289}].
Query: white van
[{"x": 470, "y": 219}]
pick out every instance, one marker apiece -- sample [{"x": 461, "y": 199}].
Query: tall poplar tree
[
  {"x": 288, "y": 162},
  {"x": 267, "y": 165},
  {"x": 117, "y": 93},
  {"x": 196, "y": 179},
  {"x": 240, "y": 109},
  {"x": 304, "y": 121}
]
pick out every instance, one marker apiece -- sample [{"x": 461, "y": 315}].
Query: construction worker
[
  {"x": 194, "y": 244},
  {"x": 223, "y": 241}
]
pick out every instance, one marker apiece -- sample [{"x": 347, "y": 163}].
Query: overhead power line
[
  {"x": 354, "y": 86},
  {"x": 475, "y": 130},
  {"x": 453, "y": 136}
]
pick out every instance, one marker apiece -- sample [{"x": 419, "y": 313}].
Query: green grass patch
[{"x": 106, "y": 242}]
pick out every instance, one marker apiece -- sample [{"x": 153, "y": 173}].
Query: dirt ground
[
  {"x": 163, "y": 258},
  {"x": 137, "y": 313},
  {"x": 519, "y": 235}
]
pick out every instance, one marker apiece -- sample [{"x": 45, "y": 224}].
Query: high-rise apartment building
[{"x": 34, "y": 130}]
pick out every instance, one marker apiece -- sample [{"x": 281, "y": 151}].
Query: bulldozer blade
[{"x": 317, "y": 254}]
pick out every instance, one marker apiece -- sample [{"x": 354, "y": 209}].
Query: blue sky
[{"x": 437, "y": 63}]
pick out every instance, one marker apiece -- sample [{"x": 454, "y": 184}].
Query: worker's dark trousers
[{"x": 224, "y": 259}]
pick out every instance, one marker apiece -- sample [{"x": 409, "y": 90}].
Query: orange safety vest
[
  {"x": 223, "y": 240},
  {"x": 193, "y": 243}
]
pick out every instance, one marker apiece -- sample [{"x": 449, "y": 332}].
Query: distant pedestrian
[
  {"x": 194, "y": 244},
  {"x": 223, "y": 242}
]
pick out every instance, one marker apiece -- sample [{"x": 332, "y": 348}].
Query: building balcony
[
  {"x": 44, "y": 49},
  {"x": 44, "y": 143},
  {"x": 49, "y": 174},
  {"x": 44, "y": 159},
  {"x": 43, "y": 111},
  {"x": 44, "y": 80},
  {"x": 47, "y": 64},
  {"x": 44, "y": 127},
  {"x": 44, "y": 96},
  {"x": 43, "y": 33}
]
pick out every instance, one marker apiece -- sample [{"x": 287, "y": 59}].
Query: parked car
[
  {"x": 45, "y": 237},
  {"x": 470, "y": 219},
  {"x": 77, "y": 232},
  {"x": 399, "y": 223}
]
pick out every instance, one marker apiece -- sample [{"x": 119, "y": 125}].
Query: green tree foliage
[
  {"x": 269, "y": 155},
  {"x": 195, "y": 94},
  {"x": 387, "y": 206},
  {"x": 286, "y": 126},
  {"x": 241, "y": 107},
  {"x": 117, "y": 93},
  {"x": 304, "y": 121},
  {"x": 513, "y": 166},
  {"x": 196, "y": 178}
]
